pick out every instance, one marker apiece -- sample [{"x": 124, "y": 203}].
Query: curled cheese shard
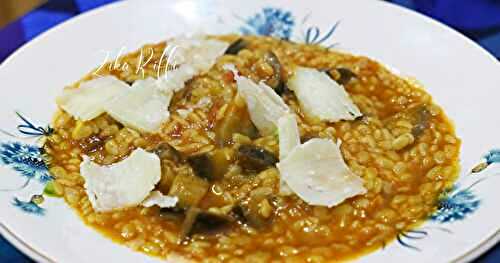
[
  {"x": 193, "y": 56},
  {"x": 159, "y": 199},
  {"x": 199, "y": 52},
  {"x": 264, "y": 105},
  {"x": 317, "y": 173},
  {"x": 88, "y": 100},
  {"x": 288, "y": 133},
  {"x": 289, "y": 139},
  {"x": 123, "y": 184},
  {"x": 321, "y": 97},
  {"x": 143, "y": 107},
  {"x": 175, "y": 79}
]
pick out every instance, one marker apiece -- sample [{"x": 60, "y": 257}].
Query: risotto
[{"x": 220, "y": 166}]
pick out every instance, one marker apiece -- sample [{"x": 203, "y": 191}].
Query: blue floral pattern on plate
[
  {"x": 313, "y": 35},
  {"x": 456, "y": 205},
  {"x": 280, "y": 23},
  {"x": 28, "y": 160},
  {"x": 273, "y": 22},
  {"x": 25, "y": 159},
  {"x": 29, "y": 207}
]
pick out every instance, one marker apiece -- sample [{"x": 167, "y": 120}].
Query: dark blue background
[{"x": 477, "y": 19}]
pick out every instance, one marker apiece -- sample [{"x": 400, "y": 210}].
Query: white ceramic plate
[{"x": 461, "y": 76}]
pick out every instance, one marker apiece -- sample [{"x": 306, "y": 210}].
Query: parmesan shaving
[
  {"x": 317, "y": 173},
  {"x": 321, "y": 97},
  {"x": 88, "y": 100},
  {"x": 123, "y": 184},
  {"x": 159, "y": 199},
  {"x": 143, "y": 107},
  {"x": 264, "y": 105},
  {"x": 289, "y": 139},
  {"x": 194, "y": 56}
]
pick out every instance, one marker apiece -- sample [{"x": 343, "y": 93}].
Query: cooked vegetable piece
[
  {"x": 214, "y": 198},
  {"x": 421, "y": 122},
  {"x": 202, "y": 166},
  {"x": 166, "y": 151},
  {"x": 143, "y": 107},
  {"x": 317, "y": 173},
  {"x": 211, "y": 223},
  {"x": 308, "y": 137},
  {"x": 91, "y": 144},
  {"x": 50, "y": 190},
  {"x": 276, "y": 81},
  {"x": 159, "y": 199},
  {"x": 264, "y": 105},
  {"x": 251, "y": 216},
  {"x": 237, "y": 212},
  {"x": 187, "y": 225},
  {"x": 257, "y": 210},
  {"x": 123, "y": 184},
  {"x": 419, "y": 116},
  {"x": 342, "y": 76},
  {"x": 189, "y": 189},
  {"x": 236, "y": 46},
  {"x": 173, "y": 213},
  {"x": 320, "y": 97},
  {"x": 235, "y": 120},
  {"x": 254, "y": 158},
  {"x": 89, "y": 100},
  {"x": 345, "y": 75},
  {"x": 198, "y": 221},
  {"x": 213, "y": 165},
  {"x": 169, "y": 156},
  {"x": 167, "y": 177},
  {"x": 222, "y": 159},
  {"x": 289, "y": 138}
]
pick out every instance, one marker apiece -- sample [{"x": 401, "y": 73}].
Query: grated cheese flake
[
  {"x": 289, "y": 139},
  {"x": 321, "y": 97},
  {"x": 317, "y": 173},
  {"x": 159, "y": 199},
  {"x": 88, "y": 100},
  {"x": 143, "y": 107},
  {"x": 264, "y": 105},
  {"x": 123, "y": 184},
  {"x": 194, "y": 56}
]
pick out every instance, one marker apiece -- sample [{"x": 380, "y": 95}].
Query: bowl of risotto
[{"x": 271, "y": 131}]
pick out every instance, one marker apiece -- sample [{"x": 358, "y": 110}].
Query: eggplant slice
[
  {"x": 236, "y": 47},
  {"x": 236, "y": 120},
  {"x": 202, "y": 166},
  {"x": 276, "y": 81},
  {"x": 421, "y": 120},
  {"x": 254, "y": 158},
  {"x": 166, "y": 151},
  {"x": 198, "y": 221},
  {"x": 341, "y": 75},
  {"x": 345, "y": 75},
  {"x": 172, "y": 213}
]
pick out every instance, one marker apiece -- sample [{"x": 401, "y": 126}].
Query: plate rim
[
  {"x": 38, "y": 256},
  {"x": 23, "y": 246}
]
